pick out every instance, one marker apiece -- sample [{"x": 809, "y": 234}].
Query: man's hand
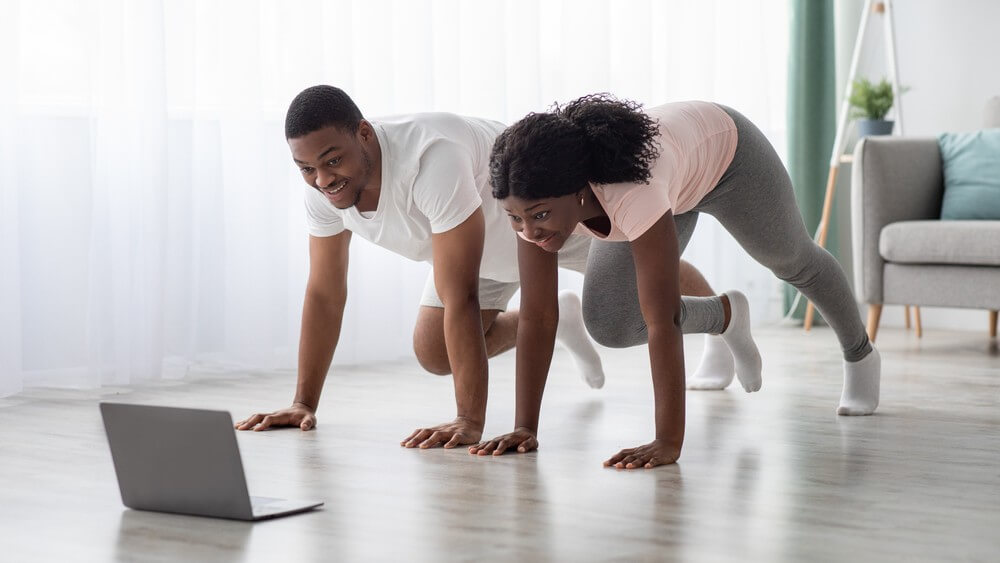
[
  {"x": 657, "y": 452},
  {"x": 455, "y": 433},
  {"x": 521, "y": 440},
  {"x": 298, "y": 414}
]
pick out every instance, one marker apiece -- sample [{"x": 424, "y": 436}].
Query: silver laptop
[{"x": 184, "y": 461}]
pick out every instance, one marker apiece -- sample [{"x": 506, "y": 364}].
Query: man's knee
[
  {"x": 428, "y": 341},
  {"x": 432, "y": 358}
]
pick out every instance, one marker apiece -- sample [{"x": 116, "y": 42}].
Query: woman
[{"x": 636, "y": 181}]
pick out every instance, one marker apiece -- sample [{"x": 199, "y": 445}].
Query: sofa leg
[
  {"x": 916, "y": 322},
  {"x": 906, "y": 311},
  {"x": 874, "y": 314},
  {"x": 993, "y": 324}
]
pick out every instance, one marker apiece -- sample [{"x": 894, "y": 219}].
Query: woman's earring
[{"x": 581, "y": 201}]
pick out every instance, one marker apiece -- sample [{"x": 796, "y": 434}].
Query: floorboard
[{"x": 772, "y": 476}]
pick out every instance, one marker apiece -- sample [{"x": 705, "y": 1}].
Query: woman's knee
[
  {"x": 604, "y": 329},
  {"x": 804, "y": 268}
]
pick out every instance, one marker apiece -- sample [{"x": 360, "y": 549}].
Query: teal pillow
[{"x": 971, "y": 164}]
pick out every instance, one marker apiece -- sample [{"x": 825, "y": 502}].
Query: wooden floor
[{"x": 774, "y": 476}]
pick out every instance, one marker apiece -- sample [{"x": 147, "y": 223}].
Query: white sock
[
  {"x": 740, "y": 342},
  {"x": 861, "y": 385},
  {"x": 572, "y": 334},
  {"x": 717, "y": 366}
]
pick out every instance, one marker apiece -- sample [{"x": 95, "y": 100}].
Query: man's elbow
[
  {"x": 461, "y": 299},
  {"x": 329, "y": 296}
]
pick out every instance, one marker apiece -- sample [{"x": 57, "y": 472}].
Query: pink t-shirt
[{"x": 697, "y": 143}]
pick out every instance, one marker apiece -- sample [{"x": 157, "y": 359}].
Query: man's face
[
  {"x": 547, "y": 223},
  {"x": 335, "y": 162}
]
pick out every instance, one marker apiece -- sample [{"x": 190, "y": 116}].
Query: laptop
[{"x": 184, "y": 461}]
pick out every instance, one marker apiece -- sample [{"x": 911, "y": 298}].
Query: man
[{"x": 417, "y": 185}]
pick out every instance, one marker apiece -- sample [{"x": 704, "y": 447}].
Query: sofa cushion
[
  {"x": 991, "y": 113},
  {"x": 971, "y": 165},
  {"x": 969, "y": 243}
]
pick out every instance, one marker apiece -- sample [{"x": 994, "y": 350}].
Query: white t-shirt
[{"x": 435, "y": 173}]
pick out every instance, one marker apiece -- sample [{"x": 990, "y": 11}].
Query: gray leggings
[{"x": 754, "y": 201}]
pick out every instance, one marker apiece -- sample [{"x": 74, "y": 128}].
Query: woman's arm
[
  {"x": 656, "y": 256},
  {"x": 536, "y": 329},
  {"x": 536, "y": 333}
]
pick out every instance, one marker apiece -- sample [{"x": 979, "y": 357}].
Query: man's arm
[
  {"x": 322, "y": 316},
  {"x": 457, "y": 254}
]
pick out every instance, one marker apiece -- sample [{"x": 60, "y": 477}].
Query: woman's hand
[
  {"x": 657, "y": 452},
  {"x": 521, "y": 439}
]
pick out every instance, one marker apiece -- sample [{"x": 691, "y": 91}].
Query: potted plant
[{"x": 870, "y": 102}]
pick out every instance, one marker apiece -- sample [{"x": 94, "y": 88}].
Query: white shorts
[{"x": 494, "y": 295}]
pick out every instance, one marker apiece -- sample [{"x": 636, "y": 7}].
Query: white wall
[{"x": 948, "y": 55}]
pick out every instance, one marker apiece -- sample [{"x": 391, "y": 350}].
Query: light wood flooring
[{"x": 773, "y": 476}]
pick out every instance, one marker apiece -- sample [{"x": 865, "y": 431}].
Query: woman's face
[{"x": 546, "y": 222}]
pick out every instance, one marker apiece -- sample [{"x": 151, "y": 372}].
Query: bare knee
[
  {"x": 436, "y": 367},
  {"x": 428, "y": 341},
  {"x": 429, "y": 344},
  {"x": 431, "y": 352},
  {"x": 433, "y": 360}
]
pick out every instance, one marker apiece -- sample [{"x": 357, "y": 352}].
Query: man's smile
[{"x": 335, "y": 189}]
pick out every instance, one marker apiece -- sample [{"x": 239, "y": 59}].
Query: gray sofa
[{"x": 903, "y": 253}]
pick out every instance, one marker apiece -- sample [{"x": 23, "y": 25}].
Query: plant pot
[{"x": 870, "y": 127}]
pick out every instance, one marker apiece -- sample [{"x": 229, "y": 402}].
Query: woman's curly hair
[{"x": 596, "y": 138}]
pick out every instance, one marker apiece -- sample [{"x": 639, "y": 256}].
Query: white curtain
[{"x": 150, "y": 217}]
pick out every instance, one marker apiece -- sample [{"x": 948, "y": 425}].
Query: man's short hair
[{"x": 321, "y": 106}]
